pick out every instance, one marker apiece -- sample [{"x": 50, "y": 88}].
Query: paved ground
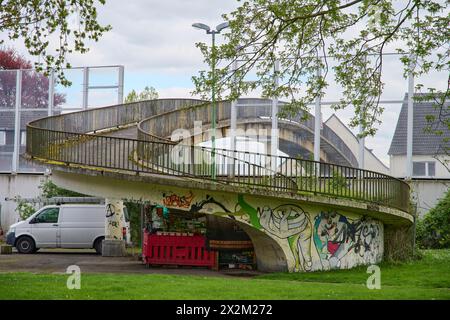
[{"x": 57, "y": 261}]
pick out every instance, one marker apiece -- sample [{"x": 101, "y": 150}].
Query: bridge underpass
[{"x": 301, "y": 215}]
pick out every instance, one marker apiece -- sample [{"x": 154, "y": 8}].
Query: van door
[
  {"x": 81, "y": 225},
  {"x": 44, "y": 228}
]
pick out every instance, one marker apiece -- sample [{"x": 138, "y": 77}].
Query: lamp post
[{"x": 213, "y": 33}]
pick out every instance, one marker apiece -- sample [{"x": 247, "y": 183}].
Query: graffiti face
[
  {"x": 335, "y": 237},
  {"x": 283, "y": 221},
  {"x": 290, "y": 222}
]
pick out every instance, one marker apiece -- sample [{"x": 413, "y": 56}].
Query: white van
[{"x": 61, "y": 226}]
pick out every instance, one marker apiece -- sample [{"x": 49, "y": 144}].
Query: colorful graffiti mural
[
  {"x": 311, "y": 240},
  {"x": 335, "y": 237}
]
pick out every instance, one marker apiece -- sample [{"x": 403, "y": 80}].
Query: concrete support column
[{"x": 114, "y": 244}]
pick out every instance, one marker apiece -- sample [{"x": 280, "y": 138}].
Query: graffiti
[
  {"x": 174, "y": 200},
  {"x": 110, "y": 210},
  {"x": 114, "y": 215},
  {"x": 289, "y": 221},
  {"x": 196, "y": 207},
  {"x": 310, "y": 242},
  {"x": 335, "y": 237}
]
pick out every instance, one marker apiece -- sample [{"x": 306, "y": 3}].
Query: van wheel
[
  {"x": 25, "y": 245},
  {"x": 98, "y": 245}
]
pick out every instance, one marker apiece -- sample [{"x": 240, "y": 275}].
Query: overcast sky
[{"x": 155, "y": 42}]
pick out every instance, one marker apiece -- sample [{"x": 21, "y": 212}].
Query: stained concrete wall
[
  {"x": 287, "y": 234},
  {"x": 23, "y": 185}
]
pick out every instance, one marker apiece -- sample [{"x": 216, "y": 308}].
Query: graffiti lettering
[{"x": 174, "y": 200}]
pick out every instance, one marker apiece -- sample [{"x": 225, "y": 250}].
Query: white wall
[
  {"x": 427, "y": 193},
  {"x": 23, "y": 185},
  {"x": 371, "y": 162},
  {"x": 398, "y": 166}
]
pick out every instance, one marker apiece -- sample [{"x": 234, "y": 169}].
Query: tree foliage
[
  {"x": 305, "y": 35},
  {"x": 24, "y": 208},
  {"x": 433, "y": 231},
  {"x": 50, "y": 190},
  {"x": 51, "y": 29},
  {"x": 149, "y": 93},
  {"x": 34, "y": 85}
]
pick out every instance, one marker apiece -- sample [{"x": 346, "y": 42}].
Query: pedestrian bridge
[{"x": 301, "y": 215}]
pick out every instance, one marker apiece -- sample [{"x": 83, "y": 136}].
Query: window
[
  {"x": 49, "y": 215},
  {"x": 431, "y": 169},
  {"x": 2, "y": 138},
  {"x": 419, "y": 169},
  {"x": 424, "y": 168},
  {"x": 23, "y": 138}
]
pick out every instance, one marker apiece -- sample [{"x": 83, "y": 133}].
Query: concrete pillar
[{"x": 114, "y": 244}]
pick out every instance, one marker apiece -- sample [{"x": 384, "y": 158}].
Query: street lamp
[{"x": 213, "y": 33}]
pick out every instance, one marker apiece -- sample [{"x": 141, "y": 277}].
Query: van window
[{"x": 49, "y": 215}]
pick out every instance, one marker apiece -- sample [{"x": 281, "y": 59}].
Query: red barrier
[{"x": 178, "y": 250}]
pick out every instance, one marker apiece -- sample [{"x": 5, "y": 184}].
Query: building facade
[{"x": 431, "y": 161}]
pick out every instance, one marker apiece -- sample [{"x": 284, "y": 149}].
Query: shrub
[
  {"x": 24, "y": 208},
  {"x": 433, "y": 231}
]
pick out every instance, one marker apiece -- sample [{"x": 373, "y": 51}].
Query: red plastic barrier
[{"x": 178, "y": 250}]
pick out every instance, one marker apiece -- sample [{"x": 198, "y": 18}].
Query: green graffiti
[
  {"x": 294, "y": 248},
  {"x": 248, "y": 209}
]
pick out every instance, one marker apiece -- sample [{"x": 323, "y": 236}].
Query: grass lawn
[{"x": 428, "y": 278}]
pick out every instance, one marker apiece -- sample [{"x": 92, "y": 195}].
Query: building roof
[{"x": 424, "y": 143}]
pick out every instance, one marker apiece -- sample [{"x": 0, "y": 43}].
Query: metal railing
[
  {"x": 65, "y": 141},
  {"x": 163, "y": 125}
]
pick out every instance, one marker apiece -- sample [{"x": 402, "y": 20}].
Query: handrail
[
  {"x": 48, "y": 140},
  {"x": 159, "y": 126}
]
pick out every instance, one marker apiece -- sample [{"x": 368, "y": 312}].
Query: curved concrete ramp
[{"x": 301, "y": 215}]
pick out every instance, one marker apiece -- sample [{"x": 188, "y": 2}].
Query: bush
[
  {"x": 433, "y": 231},
  {"x": 24, "y": 208}
]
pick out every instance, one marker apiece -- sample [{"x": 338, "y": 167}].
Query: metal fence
[
  {"x": 64, "y": 139},
  {"x": 251, "y": 110},
  {"x": 26, "y": 95}
]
